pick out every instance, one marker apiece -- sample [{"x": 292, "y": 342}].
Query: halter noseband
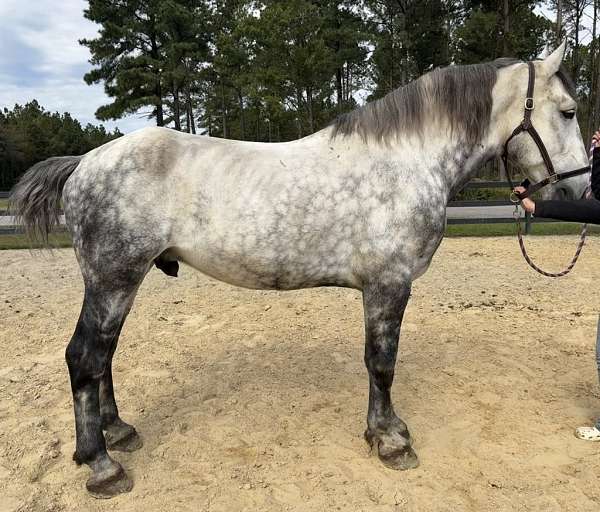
[{"x": 527, "y": 126}]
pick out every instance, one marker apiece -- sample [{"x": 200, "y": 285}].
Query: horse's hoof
[
  {"x": 398, "y": 459},
  {"x": 122, "y": 438},
  {"x": 393, "y": 448},
  {"x": 108, "y": 483}
]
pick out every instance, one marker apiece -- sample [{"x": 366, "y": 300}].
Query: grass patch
[
  {"x": 538, "y": 229},
  {"x": 482, "y": 194},
  {"x": 3, "y": 204},
  {"x": 56, "y": 240}
]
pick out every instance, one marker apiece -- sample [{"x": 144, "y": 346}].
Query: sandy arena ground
[{"x": 256, "y": 401}]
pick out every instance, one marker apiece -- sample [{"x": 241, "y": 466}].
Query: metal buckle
[
  {"x": 553, "y": 179},
  {"x": 514, "y": 199},
  {"x": 529, "y": 105},
  {"x": 517, "y": 213}
]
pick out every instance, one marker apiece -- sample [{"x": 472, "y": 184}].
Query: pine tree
[{"x": 128, "y": 55}]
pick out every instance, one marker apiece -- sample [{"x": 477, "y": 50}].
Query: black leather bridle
[{"x": 527, "y": 126}]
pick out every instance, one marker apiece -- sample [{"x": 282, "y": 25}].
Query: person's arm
[{"x": 580, "y": 210}]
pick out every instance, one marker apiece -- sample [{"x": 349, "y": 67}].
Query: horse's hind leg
[
  {"x": 104, "y": 309},
  {"x": 384, "y": 306},
  {"x": 118, "y": 435}
]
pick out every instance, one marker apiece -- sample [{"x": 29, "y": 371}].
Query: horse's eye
[{"x": 568, "y": 114}]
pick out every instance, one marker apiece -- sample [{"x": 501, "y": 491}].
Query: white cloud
[{"x": 42, "y": 59}]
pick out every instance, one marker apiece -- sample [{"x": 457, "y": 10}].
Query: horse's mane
[{"x": 462, "y": 95}]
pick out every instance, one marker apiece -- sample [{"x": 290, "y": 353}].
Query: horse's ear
[{"x": 554, "y": 60}]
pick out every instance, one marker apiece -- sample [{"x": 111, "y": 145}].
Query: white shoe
[{"x": 587, "y": 433}]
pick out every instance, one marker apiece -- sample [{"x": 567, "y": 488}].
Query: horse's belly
[{"x": 266, "y": 270}]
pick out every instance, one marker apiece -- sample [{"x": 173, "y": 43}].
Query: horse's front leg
[{"x": 384, "y": 305}]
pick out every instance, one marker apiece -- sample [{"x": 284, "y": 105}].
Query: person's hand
[
  {"x": 596, "y": 139},
  {"x": 526, "y": 203}
]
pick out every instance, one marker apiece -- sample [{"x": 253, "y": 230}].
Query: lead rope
[{"x": 530, "y": 262}]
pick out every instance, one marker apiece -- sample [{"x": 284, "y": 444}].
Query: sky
[{"x": 40, "y": 58}]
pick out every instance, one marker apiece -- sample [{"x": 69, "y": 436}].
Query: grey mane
[{"x": 460, "y": 95}]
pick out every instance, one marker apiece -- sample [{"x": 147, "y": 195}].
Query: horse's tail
[{"x": 35, "y": 199}]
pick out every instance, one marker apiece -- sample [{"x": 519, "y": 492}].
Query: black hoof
[
  {"x": 108, "y": 483},
  {"x": 122, "y": 438}
]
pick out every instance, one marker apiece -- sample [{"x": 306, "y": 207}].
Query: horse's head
[{"x": 554, "y": 116}]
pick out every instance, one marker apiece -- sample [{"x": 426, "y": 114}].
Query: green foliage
[
  {"x": 409, "y": 39},
  {"x": 283, "y": 69},
  {"x": 29, "y": 134},
  {"x": 275, "y": 70},
  {"x": 480, "y": 34}
]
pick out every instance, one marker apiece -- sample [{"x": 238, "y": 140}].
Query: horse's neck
[
  {"x": 455, "y": 164},
  {"x": 433, "y": 160},
  {"x": 471, "y": 166}
]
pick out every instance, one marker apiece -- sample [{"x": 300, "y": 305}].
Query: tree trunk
[
  {"x": 594, "y": 83},
  {"x": 559, "y": 8},
  {"x": 223, "y": 111},
  {"x": 576, "y": 45},
  {"x": 339, "y": 89},
  {"x": 299, "y": 111},
  {"x": 309, "y": 101},
  {"x": 176, "y": 106},
  {"x": 257, "y": 125},
  {"x": 160, "y": 118},
  {"x": 190, "y": 111},
  {"x": 392, "y": 56},
  {"x": 348, "y": 89},
  {"x": 242, "y": 116},
  {"x": 505, "y": 46},
  {"x": 597, "y": 102}
]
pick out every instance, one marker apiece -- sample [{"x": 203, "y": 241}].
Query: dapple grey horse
[{"x": 360, "y": 204}]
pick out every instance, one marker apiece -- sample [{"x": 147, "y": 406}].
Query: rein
[{"x": 553, "y": 177}]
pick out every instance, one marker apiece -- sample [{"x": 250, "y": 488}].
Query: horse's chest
[{"x": 418, "y": 232}]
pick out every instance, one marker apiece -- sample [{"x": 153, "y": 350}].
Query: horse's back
[{"x": 247, "y": 213}]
